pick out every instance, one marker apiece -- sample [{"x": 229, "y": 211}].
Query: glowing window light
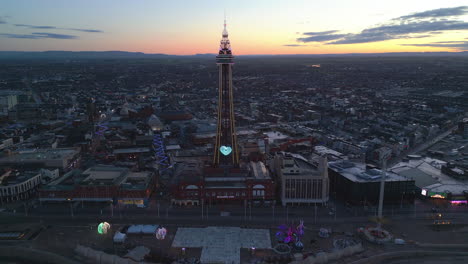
[
  {"x": 103, "y": 228},
  {"x": 424, "y": 192}
]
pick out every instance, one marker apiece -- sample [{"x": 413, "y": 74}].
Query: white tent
[
  {"x": 134, "y": 229},
  {"x": 149, "y": 229},
  {"x": 119, "y": 237},
  {"x": 142, "y": 229}
]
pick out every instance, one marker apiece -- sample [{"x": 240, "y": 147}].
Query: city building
[
  {"x": 18, "y": 185},
  {"x": 8, "y": 99},
  {"x": 463, "y": 127},
  {"x": 359, "y": 184},
  {"x": 194, "y": 183},
  {"x": 431, "y": 180},
  {"x": 101, "y": 184},
  {"x": 62, "y": 158},
  {"x": 301, "y": 181}
]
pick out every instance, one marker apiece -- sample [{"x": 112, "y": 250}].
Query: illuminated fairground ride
[
  {"x": 225, "y": 152},
  {"x": 291, "y": 235}
]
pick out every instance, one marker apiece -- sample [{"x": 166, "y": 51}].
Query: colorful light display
[
  {"x": 459, "y": 202},
  {"x": 161, "y": 233},
  {"x": 291, "y": 234},
  {"x": 160, "y": 155},
  {"x": 225, "y": 150},
  {"x": 102, "y": 127},
  {"x": 103, "y": 228}
]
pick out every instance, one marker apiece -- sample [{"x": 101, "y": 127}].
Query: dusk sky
[{"x": 254, "y": 26}]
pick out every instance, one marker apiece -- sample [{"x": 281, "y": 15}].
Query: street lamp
[
  {"x": 111, "y": 207},
  {"x": 401, "y": 202},
  {"x": 71, "y": 206}
]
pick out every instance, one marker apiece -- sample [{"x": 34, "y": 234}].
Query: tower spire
[
  {"x": 225, "y": 151},
  {"x": 225, "y": 33}
]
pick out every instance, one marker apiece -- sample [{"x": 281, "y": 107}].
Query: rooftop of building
[
  {"x": 454, "y": 189},
  {"x": 131, "y": 150},
  {"x": 302, "y": 165},
  {"x": 40, "y": 154},
  {"x": 259, "y": 171},
  {"x": 331, "y": 154},
  {"x": 102, "y": 175},
  {"x": 188, "y": 171},
  {"x": 425, "y": 171},
  {"x": 15, "y": 176},
  {"x": 360, "y": 172}
]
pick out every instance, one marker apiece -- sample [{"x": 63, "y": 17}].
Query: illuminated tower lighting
[{"x": 225, "y": 152}]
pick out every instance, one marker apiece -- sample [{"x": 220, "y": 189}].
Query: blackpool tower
[{"x": 225, "y": 152}]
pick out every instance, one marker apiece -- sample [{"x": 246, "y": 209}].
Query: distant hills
[{"x": 13, "y": 55}]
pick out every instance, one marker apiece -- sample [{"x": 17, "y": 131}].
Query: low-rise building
[
  {"x": 18, "y": 185},
  {"x": 358, "y": 183},
  {"x": 61, "y": 158},
  {"x": 101, "y": 184}
]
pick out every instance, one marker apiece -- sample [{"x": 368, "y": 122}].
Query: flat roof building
[
  {"x": 359, "y": 183},
  {"x": 62, "y": 158},
  {"x": 101, "y": 183}
]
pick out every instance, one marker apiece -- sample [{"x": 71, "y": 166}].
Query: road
[{"x": 239, "y": 214}]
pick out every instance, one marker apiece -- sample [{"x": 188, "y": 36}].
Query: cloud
[
  {"x": 321, "y": 38},
  {"x": 35, "y": 27},
  {"x": 441, "y": 12},
  {"x": 294, "y": 45},
  {"x": 54, "y": 36},
  {"x": 401, "y": 31},
  {"x": 417, "y": 25},
  {"x": 463, "y": 45},
  {"x": 2, "y": 21},
  {"x": 38, "y": 35},
  {"x": 320, "y": 32},
  {"x": 86, "y": 30},
  {"x": 20, "y": 36},
  {"x": 52, "y": 27}
]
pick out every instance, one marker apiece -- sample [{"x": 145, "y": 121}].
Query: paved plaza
[{"x": 221, "y": 244}]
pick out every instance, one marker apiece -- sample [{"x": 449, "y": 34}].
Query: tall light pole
[
  {"x": 158, "y": 208},
  {"x": 382, "y": 189},
  {"x": 71, "y": 206},
  {"x": 315, "y": 213},
  {"x": 202, "y": 202},
  {"x": 245, "y": 210},
  {"x": 112, "y": 208},
  {"x": 273, "y": 209},
  {"x": 250, "y": 210},
  {"x": 401, "y": 202}
]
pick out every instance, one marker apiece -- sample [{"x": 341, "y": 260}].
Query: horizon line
[{"x": 195, "y": 54}]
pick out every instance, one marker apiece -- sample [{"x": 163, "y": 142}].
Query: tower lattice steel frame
[{"x": 225, "y": 152}]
